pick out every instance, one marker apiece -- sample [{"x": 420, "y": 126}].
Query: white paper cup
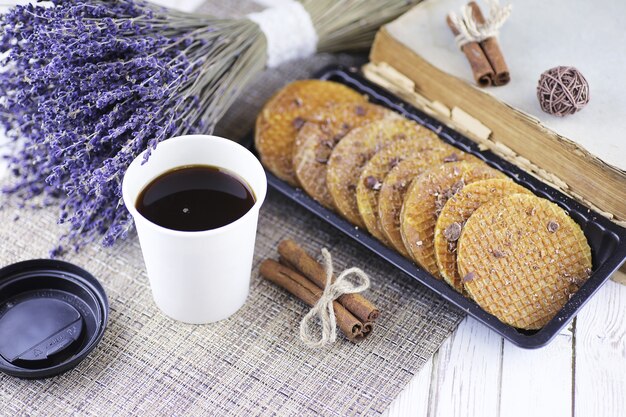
[{"x": 197, "y": 277}]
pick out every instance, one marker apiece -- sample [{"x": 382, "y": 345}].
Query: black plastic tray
[{"x": 607, "y": 240}]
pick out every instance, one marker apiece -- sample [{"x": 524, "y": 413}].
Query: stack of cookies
[{"x": 519, "y": 256}]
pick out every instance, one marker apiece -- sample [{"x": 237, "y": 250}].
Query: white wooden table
[{"x": 582, "y": 373}]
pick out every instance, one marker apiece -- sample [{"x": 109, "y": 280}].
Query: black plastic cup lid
[{"x": 52, "y": 314}]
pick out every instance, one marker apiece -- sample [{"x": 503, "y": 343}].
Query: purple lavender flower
[{"x": 87, "y": 86}]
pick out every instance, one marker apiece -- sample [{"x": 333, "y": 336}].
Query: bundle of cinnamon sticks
[
  {"x": 304, "y": 277},
  {"x": 485, "y": 57}
]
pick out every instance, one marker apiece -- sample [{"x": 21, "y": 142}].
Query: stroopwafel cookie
[
  {"x": 374, "y": 173},
  {"x": 425, "y": 200},
  {"x": 318, "y": 137},
  {"x": 285, "y": 114},
  {"x": 397, "y": 183},
  {"x": 353, "y": 152},
  {"x": 521, "y": 258},
  {"x": 455, "y": 213}
]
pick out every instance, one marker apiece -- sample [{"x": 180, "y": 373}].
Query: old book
[{"x": 584, "y": 155}]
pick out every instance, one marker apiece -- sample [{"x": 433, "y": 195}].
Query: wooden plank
[
  {"x": 600, "y": 349},
  {"x": 542, "y": 378},
  {"x": 467, "y": 372},
  {"x": 413, "y": 401},
  {"x": 602, "y": 185}
]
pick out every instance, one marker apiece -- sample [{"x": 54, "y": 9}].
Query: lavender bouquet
[{"x": 86, "y": 86}]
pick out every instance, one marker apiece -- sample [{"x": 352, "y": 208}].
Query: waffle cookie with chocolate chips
[
  {"x": 375, "y": 171},
  {"x": 455, "y": 213},
  {"x": 397, "y": 183},
  {"x": 316, "y": 140},
  {"x": 285, "y": 114},
  {"x": 521, "y": 258},
  {"x": 354, "y": 151},
  {"x": 425, "y": 200}
]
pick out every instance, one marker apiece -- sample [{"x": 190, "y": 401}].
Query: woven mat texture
[{"x": 252, "y": 363}]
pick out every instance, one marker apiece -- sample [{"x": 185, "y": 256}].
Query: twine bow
[
  {"x": 324, "y": 307},
  {"x": 471, "y": 31}
]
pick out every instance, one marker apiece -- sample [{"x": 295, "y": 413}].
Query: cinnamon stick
[
  {"x": 367, "y": 328},
  {"x": 491, "y": 48},
  {"x": 308, "y": 292},
  {"x": 294, "y": 255},
  {"x": 481, "y": 68}
]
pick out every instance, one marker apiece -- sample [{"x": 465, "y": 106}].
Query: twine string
[
  {"x": 471, "y": 31},
  {"x": 562, "y": 90},
  {"x": 324, "y": 309}
]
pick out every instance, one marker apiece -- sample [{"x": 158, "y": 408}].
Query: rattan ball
[{"x": 562, "y": 91}]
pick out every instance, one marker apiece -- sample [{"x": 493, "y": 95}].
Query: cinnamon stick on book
[
  {"x": 481, "y": 68},
  {"x": 491, "y": 48},
  {"x": 295, "y": 256},
  {"x": 310, "y": 293}
]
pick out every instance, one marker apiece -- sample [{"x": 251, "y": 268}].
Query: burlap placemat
[{"x": 251, "y": 364}]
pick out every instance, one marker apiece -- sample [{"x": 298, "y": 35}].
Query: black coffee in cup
[{"x": 195, "y": 198}]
